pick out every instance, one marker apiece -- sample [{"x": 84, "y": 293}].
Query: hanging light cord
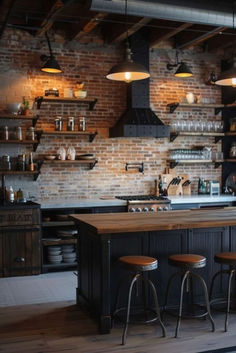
[{"x": 49, "y": 45}]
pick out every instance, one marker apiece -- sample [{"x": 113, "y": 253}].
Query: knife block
[
  {"x": 186, "y": 190},
  {"x": 175, "y": 190}
]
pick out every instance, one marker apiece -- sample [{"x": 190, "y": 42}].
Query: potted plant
[{"x": 25, "y": 107}]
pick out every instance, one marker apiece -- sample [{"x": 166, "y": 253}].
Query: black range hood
[{"x": 139, "y": 120}]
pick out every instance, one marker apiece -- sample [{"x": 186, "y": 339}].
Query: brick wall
[{"x": 20, "y": 76}]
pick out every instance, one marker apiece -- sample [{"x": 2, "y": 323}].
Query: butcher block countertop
[{"x": 105, "y": 223}]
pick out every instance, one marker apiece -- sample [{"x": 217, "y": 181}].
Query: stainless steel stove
[{"x": 146, "y": 203}]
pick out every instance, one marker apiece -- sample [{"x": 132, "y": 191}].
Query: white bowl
[
  {"x": 69, "y": 255},
  {"x": 52, "y": 252},
  {"x": 13, "y": 107}
]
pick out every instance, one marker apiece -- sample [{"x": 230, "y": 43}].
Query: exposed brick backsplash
[{"x": 20, "y": 75}]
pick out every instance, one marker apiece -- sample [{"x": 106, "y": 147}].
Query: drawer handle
[{"x": 20, "y": 259}]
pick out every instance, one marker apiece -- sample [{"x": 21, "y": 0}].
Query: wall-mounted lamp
[
  {"x": 128, "y": 70},
  {"x": 228, "y": 77},
  {"x": 51, "y": 66},
  {"x": 183, "y": 70}
]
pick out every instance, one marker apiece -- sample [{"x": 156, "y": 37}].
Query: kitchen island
[{"x": 103, "y": 238}]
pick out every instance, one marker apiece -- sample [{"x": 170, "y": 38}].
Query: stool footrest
[
  {"x": 189, "y": 311},
  {"x": 135, "y": 313}
]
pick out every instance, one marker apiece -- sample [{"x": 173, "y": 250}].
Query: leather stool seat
[
  {"x": 187, "y": 260},
  {"x": 226, "y": 258},
  {"x": 140, "y": 263}
]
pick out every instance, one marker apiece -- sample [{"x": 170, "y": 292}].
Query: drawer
[{"x": 19, "y": 217}]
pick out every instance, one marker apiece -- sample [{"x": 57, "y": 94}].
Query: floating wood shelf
[
  {"x": 35, "y": 174},
  {"x": 91, "y": 162},
  {"x": 218, "y": 135},
  {"x": 231, "y": 160},
  {"x": 32, "y": 118},
  {"x": 61, "y": 265},
  {"x": 22, "y": 142},
  {"x": 175, "y": 105},
  {"x": 90, "y": 101},
  {"x": 57, "y": 223},
  {"x": 91, "y": 134},
  {"x": 230, "y": 133},
  {"x": 174, "y": 162}
]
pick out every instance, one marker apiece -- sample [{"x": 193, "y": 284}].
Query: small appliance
[{"x": 214, "y": 188}]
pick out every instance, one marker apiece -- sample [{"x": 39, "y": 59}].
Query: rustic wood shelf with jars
[
  {"x": 174, "y": 162},
  {"x": 32, "y": 118},
  {"x": 218, "y": 135},
  {"x": 173, "y": 106},
  {"x": 91, "y": 102},
  {"x": 35, "y": 173},
  {"x": 91, "y": 134}
]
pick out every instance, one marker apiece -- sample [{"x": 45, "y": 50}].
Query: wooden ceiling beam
[
  {"x": 200, "y": 39},
  {"x": 86, "y": 25},
  {"x": 8, "y": 14},
  {"x": 131, "y": 30},
  {"x": 56, "y": 8},
  {"x": 155, "y": 39}
]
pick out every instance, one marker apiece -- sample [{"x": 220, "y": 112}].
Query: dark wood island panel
[{"x": 105, "y": 237}]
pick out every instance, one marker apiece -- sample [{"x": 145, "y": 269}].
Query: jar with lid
[
  {"x": 232, "y": 124},
  {"x": 5, "y": 133},
  {"x": 19, "y": 133},
  {"x": 82, "y": 123},
  {"x": 21, "y": 162},
  {"x": 6, "y": 163},
  {"x": 30, "y": 134},
  {"x": 232, "y": 152},
  {"x": 70, "y": 123},
  {"x": 58, "y": 123}
]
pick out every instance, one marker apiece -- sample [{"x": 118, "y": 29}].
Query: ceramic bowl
[{"x": 50, "y": 157}]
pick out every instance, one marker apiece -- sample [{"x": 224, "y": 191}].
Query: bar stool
[
  {"x": 138, "y": 265},
  {"x": 225, "y": 258},
  {"x": 187, "y": 263}
]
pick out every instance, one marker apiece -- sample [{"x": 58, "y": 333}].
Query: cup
[{"x": 190, "y": 97}]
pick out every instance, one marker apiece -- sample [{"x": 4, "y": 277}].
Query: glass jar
[
  {"x": 30, "y": 134},
  {"x": 5, "y": 133},
  {"x": 58, "y": 123},
  {"x": 19, "y": 133},
  {"x": 232, "y": 124},
  {"x": 6, "y": 163},
  {"x": 70, "y": 123},
  {"x": 21, "y": 162},
  {"x": 232, "y": 152},
  {"x": 82, "y": 123}
]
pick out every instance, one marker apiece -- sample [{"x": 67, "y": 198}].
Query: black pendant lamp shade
[
  {"x": 228, "y": 77},
  {"x": 51, "y": 65},
  {"x": 128, "y": 70},
  {"x": 183, "y": 71}
]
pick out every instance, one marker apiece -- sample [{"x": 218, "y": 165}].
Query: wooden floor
[{"x": 64, "y": 327}]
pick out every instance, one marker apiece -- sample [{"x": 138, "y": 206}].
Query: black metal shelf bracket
[
  {"x": 92, "y": 136},
  {"x": 92, "y": 165},
  {"x": 173, "y": 107},
  {"x": 218, "y": 138},
  {"x": 218, "y": 110},
  {"x": 36, "y": 143},
  {"x": 39, "y": 101},
  {"x": 36, "y": 175},
  {"x": 35, "y": 119},
  {"x": 173, "y": 136},
  {"x": 217, "y": 164},
  {"x": 135, "y": 165},
  {"x": 173, "y": 164},
  {"x": 92, "y": 104}
]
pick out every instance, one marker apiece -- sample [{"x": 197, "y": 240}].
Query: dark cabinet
[{"x": 20, "y": 249}]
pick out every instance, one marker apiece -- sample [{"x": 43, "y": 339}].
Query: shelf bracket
[
  {"x": 217, "y": 164},
  {"x": 173, "y": 164},
  {"x": 36, "y": 175},
  {"x": 39, "y": 134},
  {"x": 173, "y": 136},
  {"x": 39, "y": 100},
  {"x": 92, "y": 165},
  {"x": 173, "y": 107},
  {"x": 92, "y": 136},
  {"x": 92, "y": 104},
  {"x": 218, "y": 138},
  {"x": 35, "y": 119}
]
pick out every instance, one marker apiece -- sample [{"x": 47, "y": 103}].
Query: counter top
[
  {"x": 73, "y": 203},
  {"x": 105, "y": 223}
]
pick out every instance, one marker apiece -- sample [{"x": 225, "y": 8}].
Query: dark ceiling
[{"x": 75, "y": 19}]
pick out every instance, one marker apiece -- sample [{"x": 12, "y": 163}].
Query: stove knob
[
  {"x": 138, "y": 209},
  {"x": 145, "y": 209},
  {"x": 160, "y": 208},
  {"x": 132, "y": 209},
  {"x": 151, "y": 209},
  {"x": 166, "y": 208}
]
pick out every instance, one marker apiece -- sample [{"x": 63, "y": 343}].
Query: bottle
[
  {"x": 164, "y": 187},
  {"x": 19, "y": 195},
  {"x": 31, "y": 163},
  {"x": 70, "y": 123},
  {"x": 6, "y": 133},
  {"x": 82, "y": 123},
  {"x": 19, "y": 133},
  {"x": 160, "y": 186},
  {"x": 11, "y": 194}
]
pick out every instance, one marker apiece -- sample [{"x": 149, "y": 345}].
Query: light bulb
[
  {"x": 234, "y": 81},
  {"x": 127, "y": 76}
]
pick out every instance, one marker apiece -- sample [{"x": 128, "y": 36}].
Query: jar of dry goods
[
  {"x": 82, "y": 123},
  {"x": 30, "y": 134},
  {"x": 6, "y": 163},
  {"x": 70, "y": 123},
  {"x": 58, "y": 123}
]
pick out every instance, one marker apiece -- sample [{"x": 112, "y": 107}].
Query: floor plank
[{"x": 63, "y": 327}]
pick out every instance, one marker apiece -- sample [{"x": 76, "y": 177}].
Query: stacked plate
[
  {"x": 54, "y": 254},
  {"x": 68, "y": 233},
  {"x": 68, "y": 253}
]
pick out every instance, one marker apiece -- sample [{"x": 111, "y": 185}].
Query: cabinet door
[{"x": 21, "y": 255}]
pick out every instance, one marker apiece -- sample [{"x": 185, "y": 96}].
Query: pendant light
[
  {"x": 228, "y": 77},
  {"x": 127, "y": 70},
  {"x": 51, "y": 66},
  {"x": 183, "y": 70}
]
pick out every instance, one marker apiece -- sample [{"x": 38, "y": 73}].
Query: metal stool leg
[
  {"x": 128, "y": 309},
  {"x": 186, "y": 274},
  {"x": 206, "y": 299},
  {"x": 157, "y": 308},
  {"x": 231, "y": 274},
  {"x": 212, "y": 283},
  {"x": 168, "y": 288}
]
